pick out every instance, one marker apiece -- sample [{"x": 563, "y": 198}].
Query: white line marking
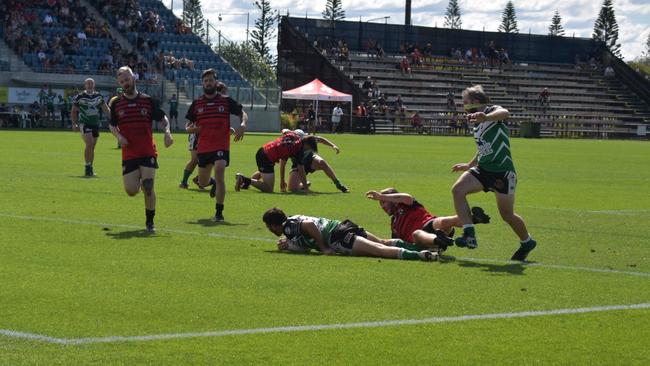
[
  {"x": 307, "y": 328},
  {"x": 269, "y": 240}
]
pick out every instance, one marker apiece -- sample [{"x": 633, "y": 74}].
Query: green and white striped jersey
[
  {"x": 493, "y": 142},
  {"x": 291, "y": 229},
  {"x": 88, "y": 105}
]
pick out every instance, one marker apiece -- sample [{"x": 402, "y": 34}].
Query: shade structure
[{"x": 316, "y": 91}]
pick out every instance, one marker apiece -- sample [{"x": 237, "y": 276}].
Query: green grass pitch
[{"x": 74, "y": 263}]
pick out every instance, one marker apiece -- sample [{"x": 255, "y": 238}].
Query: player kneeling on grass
[
  {"x": 411, "y": 222},
  {"x": 491, "y": 169},
  {"x": 303, "y": 233},
  {"x": 311, "y": 162}
]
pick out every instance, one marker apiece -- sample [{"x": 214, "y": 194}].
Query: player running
[
  {"x": 284, "y": 147},
  {"x": 491, "y": 169},
  {"x": 85, "y": 119},
  {"x": 302, "y": 233},
  {"x": 311, "y": 162},
  {"x": 411, "y": 222},
  {"x": 210, "y": 118},
  {"x": 131, "y": 118}
]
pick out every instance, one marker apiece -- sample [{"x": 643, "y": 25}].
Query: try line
[{"x": 307, "y": 328}]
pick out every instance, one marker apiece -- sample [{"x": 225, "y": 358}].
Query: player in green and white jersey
[
  {"x": 85, "y": 118},
  {"x": 303, "y": 233},
  {"x": 491, "y": 169}
]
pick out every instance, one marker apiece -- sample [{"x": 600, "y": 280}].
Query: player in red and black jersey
[
  {"x": 284, "y": 147},
  {"x": 132, "y": 115},
  {"x": 210, "y": 118},
  {"x": 411, "y": 222}
]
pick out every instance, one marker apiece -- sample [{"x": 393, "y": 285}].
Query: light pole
[
  {"x": 248, "y": 15},
  {"x": 384, "y": 18}
]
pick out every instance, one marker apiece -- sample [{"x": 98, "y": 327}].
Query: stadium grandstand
[
  {"x": 59, "y": 44},
  {"x": 560, "y": 87}
]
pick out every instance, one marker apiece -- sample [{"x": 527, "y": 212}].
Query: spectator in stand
[
  {"x": 427, "y": 52},
  {"x": 337, "y": 112},
  {"x": 371, "y": 47},
  {"x": 344, "y": 52},
  {"x": 405, "y": 66},
  {"x": 544, "y": 97},
  {"x": 381, "y": 104},
  {"x": 505, "y": 58},
  {"x": 416, "y": 57},
  {"x": 451, "y": 102},
  {"x": 105, "y": 31},
  {"x": 380, "y": 50},
  {"x": 367, "y": 84},
  {"x": 91, "y": 28},
  {"x": 48, "y": 20},
  {"x": 399, "y": 107},
  {"x": 468, "y": 56},
  {"x": 416, "y": 122},
  {"x": 458, "y": 55},
  {"x": 609, "y": 72}
]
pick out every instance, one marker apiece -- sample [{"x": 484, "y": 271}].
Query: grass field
[{"x": 77, "y": 272}]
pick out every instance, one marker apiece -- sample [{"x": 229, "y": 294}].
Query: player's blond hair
[
  {"x": 389, "y": 190},
  {"x": 124, "y": 69},
  {"x": 476, "y": 93}
]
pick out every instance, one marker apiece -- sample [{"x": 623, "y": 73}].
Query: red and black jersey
[
  {"x": 408, "y": 218},
  {"x": 134, "y": 118},
  {"x": 284, "y": 147},
  {"x": 213, "y": 116}
]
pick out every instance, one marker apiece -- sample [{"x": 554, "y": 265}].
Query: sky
[{"x": 578, "y": 16}]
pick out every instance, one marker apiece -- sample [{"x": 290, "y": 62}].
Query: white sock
[{"x": 527, "y": 239}]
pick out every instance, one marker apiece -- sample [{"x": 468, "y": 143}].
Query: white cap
[{"x": 285, "y": 130}]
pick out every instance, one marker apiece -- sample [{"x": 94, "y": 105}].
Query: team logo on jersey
[
  {"x": 219, "y": 153},
  {"x": 484, "y": 148},
  {"x": 200, "y": 110},
  {"x": 221, "y": 109},
  {"x": 121, "y": 113},
  {"x": 144, "y": 111}
]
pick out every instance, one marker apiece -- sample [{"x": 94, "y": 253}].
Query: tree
[
  {"x": 556, "y": 29},
  {"x": 647, "y": 46},
  {"x": 245, "y": 59},
  {"x": 606, "y": 28},
  {"x": 334, "y": 10},
  {"x": 193, "y": 17},
  {"x": 509, "y": 19},
  {"x": 264, "y": 30},
  {"x": 452, "y": 15}
]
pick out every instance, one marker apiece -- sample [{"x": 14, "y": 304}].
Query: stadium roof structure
[{"x": 317, "y": 91}]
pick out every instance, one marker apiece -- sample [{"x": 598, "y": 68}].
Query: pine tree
[
  {"x": 452, "y": 15},
  {"x": 334, "y": 10},
  {"x": 556, "y": 29},
  {"x": 264, "y": 30},
  {"x": 606, "y": 28},
  {"x": 647, "y": 46},
  {"x": 509, "y": 19},
  {"x": 193, "y": 17}
]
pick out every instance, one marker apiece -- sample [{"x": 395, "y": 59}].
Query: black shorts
[
  {"x": 131, "y": 165},
  {"x": 89, "y": 129},
  {"x": 173, "y": 114},
  {"x": 193, "y": 140},
  {"x": 264, "y": 164},
  {"x": 501, "y": 182},
  {"x": 210, "y": 158},
  {"x": 343, "y": 236},
  {"x": 307, "y": 160}
]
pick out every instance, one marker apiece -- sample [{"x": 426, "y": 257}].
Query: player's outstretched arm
[
  {"x": 283, "y": 183},
  {"x": 327, "y": 142},
  {"x": 462, "y": 167},
  {"x": 190, "y": 127},
  {"x": 404, "y": 198},
  {"x": 309, "y": 229}
]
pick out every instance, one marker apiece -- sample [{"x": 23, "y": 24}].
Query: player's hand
[
  {"x": 122, "y": 140},
  {"x": 463, "y": 167},
  {"x": 476, "y": 117},
  {"x": 75, "y": 128},
  {"x": 239, "y": 133},
  {"x": 283, "y": 186},
  {"x": 336, "y": 148},
  {"x": 283, "y": 244},
  {"x": 169, "y": 140},
  {"x": 373, "y": 195}
]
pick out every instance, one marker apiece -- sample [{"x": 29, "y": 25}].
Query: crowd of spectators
[{"x": 337, "y": 50}]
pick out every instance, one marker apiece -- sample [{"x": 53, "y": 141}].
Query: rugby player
[
  {"x": 491, "y": 169},
  {"x": 132, "y": 114},
  {"x": 411, "y": 222},
  {"x": 210, "y": 118},
  {"x": 289, "y": 145},
  {"x": 85, "y": 119},
  {"x": 303, "y": 233}
]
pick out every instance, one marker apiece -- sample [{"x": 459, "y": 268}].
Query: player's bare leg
[
  {"x": 189, "y": 169},
  {"x": 367, "y": 248},
  {"x": 89, "y": 152},
  {"x": 506, "y": 205},
  {"x": 265, "y": 183},
  {"x": 220, "y": 188},
  {"x": 466, "y": 184},
  {"x": 147, "y": 178},
  {"x": 320, "y": 164}
]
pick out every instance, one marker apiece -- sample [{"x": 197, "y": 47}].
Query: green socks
[{"x": 186, "y": 175}]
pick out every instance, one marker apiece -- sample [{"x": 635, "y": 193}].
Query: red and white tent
[{"x": 317, "y": 91}]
